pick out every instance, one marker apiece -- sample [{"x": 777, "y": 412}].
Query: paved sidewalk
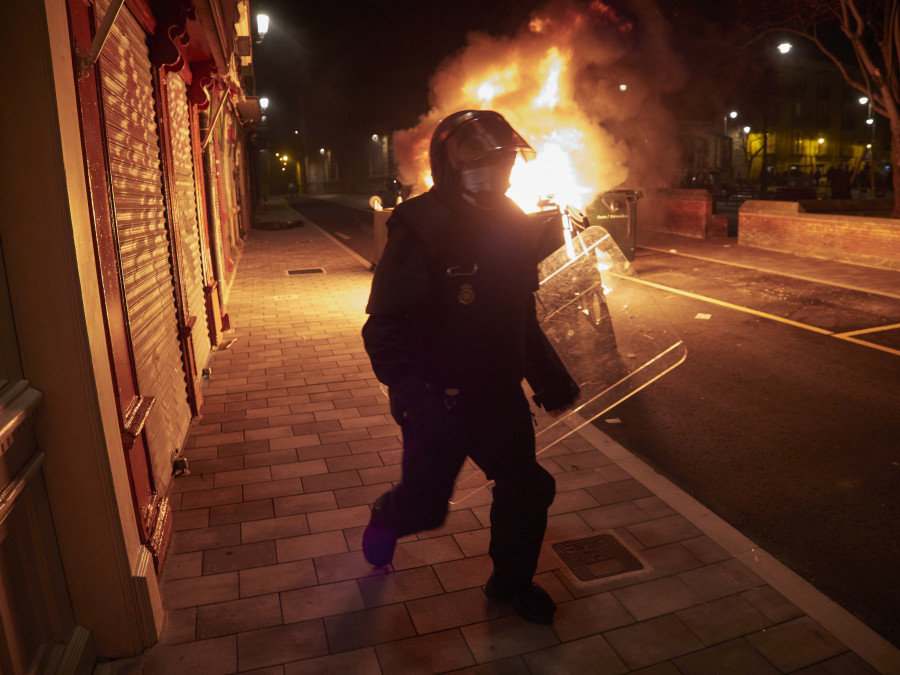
[{"x": 294, "y": 441}]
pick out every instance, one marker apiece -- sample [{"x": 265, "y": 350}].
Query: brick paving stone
[
  {"x": 770, "y": 602},
  {"x": 453, "y": 609},
  {"x": 203, "y": 469},
  {"x": 181, "y": 593},
  {"x": 307, "y": 467},
  {"x": 278, "y": 577},
  {"x": 657, "y": 597},
  {"x": 205, "y": 538},
  {"x": 571, "y": 501},
  {"x": 663, "y": 530},
  {"x": 613, "y": 515},
  {"x": 183, "y": 565},
  {"x": 343, "y": 566},
  {"x": 330, "y": 481},
  {"x": 400, "y": 586},
  {"x": 436, "y": 653},
  {"x": 669, "y": 559},
  {"x": 721, "y": 579},
  {"x": 706, "y": 550},
  {"x": 586, "y": 616},
  {"x": 193, "y": 483},
  {"x": 736, "y": 657},
  {"x": 239, "y": 512},
  {"x": 291, "y": 642},
  {"x": 360, "y": 496},
  {"x": 236, "y": 616},
  {"x": 243, "y": 476},
  {"x": 243, "y": 556},
  {"x": 464, "y": 573},
  {"x": 587, "y": 656},
  {"x": 310, "y": 546},
  {"x": 274, "y": 528},
  {"x": 189, "y": 520},
  {"x": 798, "y": 643},
  {"x": 491, "y": 640},
  {"x": 430, "y": 551},
  {"x": 368, "y": 627},
  {"x": 350, "y": 462},
  {"x": 292, "y": 504},
  {"x": 204, "y": 657},
  {"x": 321, "y": 600},
  {"x": 649, "y": 642},
  {"x": 358, "y": 662},
  {"x": 724, "y": 619},
  {"x": 338, "y": 519},
  {"x": 180, "y": 626}
]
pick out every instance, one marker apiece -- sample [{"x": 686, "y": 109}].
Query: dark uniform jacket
[{"x": 452, "y": 304}]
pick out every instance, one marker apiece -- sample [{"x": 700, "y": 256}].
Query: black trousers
[{"x": 498, "y": 434}]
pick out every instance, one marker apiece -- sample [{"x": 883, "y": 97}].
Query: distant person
[
  {"x": 452, "y": 331},
  {"x": 839, "y": 178}
]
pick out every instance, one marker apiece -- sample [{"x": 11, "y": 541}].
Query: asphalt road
[{"x": 789, "y": 433}]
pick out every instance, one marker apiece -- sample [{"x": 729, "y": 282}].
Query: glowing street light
[
  {"x": 863, "y": 100},
  {"x": 263, "y": 103},
  {"x": 262, "y": 25},
  {"x": 785, "y": 47}
]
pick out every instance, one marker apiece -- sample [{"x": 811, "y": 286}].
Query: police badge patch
[{"x": 466, "y": 294}]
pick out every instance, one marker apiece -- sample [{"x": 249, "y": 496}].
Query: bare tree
[{"x": 864, "y": 33}]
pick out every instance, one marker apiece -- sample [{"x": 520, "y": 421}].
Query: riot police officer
[{"x": 452, "y": 332}]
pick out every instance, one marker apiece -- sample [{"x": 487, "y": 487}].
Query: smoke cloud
[{"x": 604, "y": 108}]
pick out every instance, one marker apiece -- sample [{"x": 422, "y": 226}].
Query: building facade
[{"x": 124, "y": 205}]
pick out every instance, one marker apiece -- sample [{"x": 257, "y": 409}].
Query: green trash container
[{"x": 616, "y": 212}]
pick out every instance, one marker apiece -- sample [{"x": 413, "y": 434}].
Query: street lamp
[
  {"x": 262, "y": 25},
  {"x": 263, "y": 103}
]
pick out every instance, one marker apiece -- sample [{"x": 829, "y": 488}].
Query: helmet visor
[{"x": 478, "y": 137}]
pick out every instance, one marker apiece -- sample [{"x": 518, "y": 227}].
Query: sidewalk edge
[{"x": 857, "y": 636}]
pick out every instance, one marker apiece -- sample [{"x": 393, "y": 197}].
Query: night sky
[{"x": 338, "y": 74}]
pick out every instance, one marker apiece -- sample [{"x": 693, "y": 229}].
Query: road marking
[
  {"x": 851, "y": 333},
  {"x": 847, "y": 336},
  {"x": 729, "y": 305}
]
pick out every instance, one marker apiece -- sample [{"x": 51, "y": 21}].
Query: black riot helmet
[{"x": 468, "y": 136}]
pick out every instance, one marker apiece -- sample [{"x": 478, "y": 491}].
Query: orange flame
[{"x": 566, "y": 83}]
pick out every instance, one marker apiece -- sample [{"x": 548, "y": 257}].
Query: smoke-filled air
[{"x": 582, "y": 83}]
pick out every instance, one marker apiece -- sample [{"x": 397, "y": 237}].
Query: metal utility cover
[
  {"x": 596, "y": 557},
  {"x": 310, "y": 270}
]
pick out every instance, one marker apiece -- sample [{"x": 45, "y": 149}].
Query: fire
[{"x": 561, "y": 83}]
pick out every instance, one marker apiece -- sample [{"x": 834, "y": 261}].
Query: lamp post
[{"x": 783, "y": 49}]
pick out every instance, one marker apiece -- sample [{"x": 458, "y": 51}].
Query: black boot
[
  {"x": 379, "y": 539},
  {"x": 530, "y": 601}
]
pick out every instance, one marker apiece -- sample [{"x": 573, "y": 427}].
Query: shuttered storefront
[
  {"x": 144, "y": 247},
  {"x": 185, "y": 206}
]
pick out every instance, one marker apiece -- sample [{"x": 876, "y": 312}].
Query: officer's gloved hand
[
  {"x": 417, "y": 405},
  {"x": 558, "y": 395}
]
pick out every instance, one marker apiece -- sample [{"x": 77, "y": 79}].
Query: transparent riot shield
[{"x": 606, "y": 328}]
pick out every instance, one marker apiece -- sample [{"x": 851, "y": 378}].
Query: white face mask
[{"x": 489, "y": 178}]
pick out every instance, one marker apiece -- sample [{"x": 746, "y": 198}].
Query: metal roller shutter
[
  {"x": 186, "y": 207},
  {"x": 140, "y": 221}
]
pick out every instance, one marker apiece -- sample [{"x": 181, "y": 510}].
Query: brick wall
[
  {"x": 690, "y": 214},
  {"x": 786, "y": 227}
]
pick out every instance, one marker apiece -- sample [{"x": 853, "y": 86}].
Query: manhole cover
[
  {"x": 309, "y": 270},
  {"x": 596, "y": 557}
]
